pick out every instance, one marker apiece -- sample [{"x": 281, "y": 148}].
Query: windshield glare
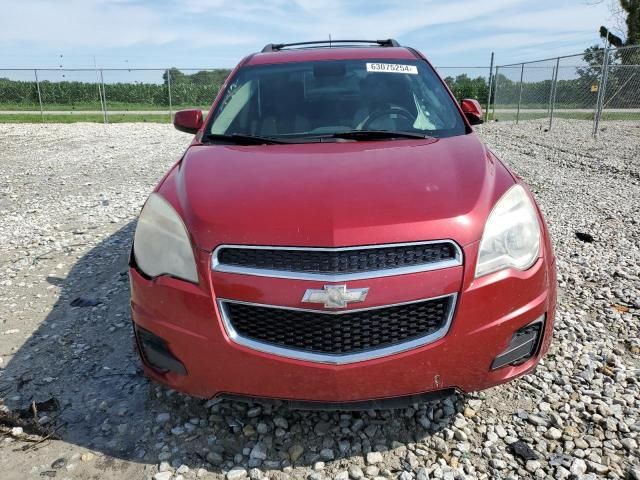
[{"x": 316, "y": 99}]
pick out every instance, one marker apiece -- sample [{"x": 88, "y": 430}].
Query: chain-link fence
[
  {"x": 107, "y": 95},
  {"x": 152, "y": 94},
  {"x": 596, "y": 85},
  {"x": 599, "y": 84}
]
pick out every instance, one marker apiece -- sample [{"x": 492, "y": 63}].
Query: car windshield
[{"x": 315, "y": 100}]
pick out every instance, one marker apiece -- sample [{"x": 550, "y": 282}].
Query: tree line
[{"x": 198, "y": 89}]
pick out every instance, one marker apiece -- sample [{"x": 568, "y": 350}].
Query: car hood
[{"x": 337, "y": 194}]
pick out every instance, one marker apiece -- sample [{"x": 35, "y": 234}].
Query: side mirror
[
  {"x": 188, "y": 121},
  {"x": 472, "y": 110}
]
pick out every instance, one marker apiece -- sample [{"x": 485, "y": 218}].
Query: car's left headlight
[
  {"x": 161, "y": 244},
  {"x": 511, "y": 235}
]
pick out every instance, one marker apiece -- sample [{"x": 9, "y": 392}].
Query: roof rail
[{"x": 274, "y": 47}]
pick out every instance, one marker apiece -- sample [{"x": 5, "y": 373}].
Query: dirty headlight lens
[
  {"x": 161, "y": 245},
  {"x": 511, "y": 235}
]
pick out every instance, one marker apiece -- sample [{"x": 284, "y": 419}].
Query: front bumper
[{"x": 489, "y": 310}]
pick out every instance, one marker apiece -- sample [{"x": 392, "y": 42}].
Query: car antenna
[{"x": 329, "y": 40}]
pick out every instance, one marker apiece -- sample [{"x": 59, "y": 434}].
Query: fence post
[
  {"x": 486, "y": 114},
  {"x": 104, "y": 98},
  {"x": 495, "y": 94},
  {"x": 95, "y": 66},
  {"x": 169, "y": 89},
  {"x": 520, "y": 93},
  {"x": 601, "y": 87},
  {"x": 35, "y": 72},
  {"x": 554, "y": 88}
]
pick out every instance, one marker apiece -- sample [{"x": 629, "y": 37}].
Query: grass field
[
  {"x": 82, "y": 117},
  {"x": 66, "y": 107},
  {"x": 144, "y": 113},
  {"x": 524, "y": 115}
]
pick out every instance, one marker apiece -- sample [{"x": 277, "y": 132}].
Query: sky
[{"x": 218, "y": 33}]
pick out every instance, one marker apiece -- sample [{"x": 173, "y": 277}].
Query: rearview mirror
[
  {"x": 188, "y": 121},
  {"x": 472, "y": 110}
]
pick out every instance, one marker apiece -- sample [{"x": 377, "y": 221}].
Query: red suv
[{"x": 336, "y": 235}]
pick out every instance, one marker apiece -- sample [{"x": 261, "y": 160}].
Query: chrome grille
[{"x": 338, "y": 264}]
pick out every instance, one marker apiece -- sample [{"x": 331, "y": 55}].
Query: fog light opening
[
  {"x": 523, "y": 346},
  {"x": 156, "y": 353}
]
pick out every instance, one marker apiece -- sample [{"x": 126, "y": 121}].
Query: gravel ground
[{"x": 68, "y": 195}]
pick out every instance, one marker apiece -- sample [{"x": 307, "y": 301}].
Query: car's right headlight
[
  {"x": 511, "y": 235},
  {"x": 161, "y": 245}
]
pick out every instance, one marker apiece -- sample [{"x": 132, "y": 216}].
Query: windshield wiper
[
  {"x": 241, "y": 139},
  {"x": 376, "y": 134}
]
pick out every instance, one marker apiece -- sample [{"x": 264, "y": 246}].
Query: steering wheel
[{"x": 386, "y": 112}]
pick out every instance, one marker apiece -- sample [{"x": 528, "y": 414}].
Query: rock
[
  {"x": 236, "y": 473},
  {"x": 532, "y": 465},
  {"x": 163, "y": 417},
  {"x": 87, "y": 457},
  {"x": 295, "y": 452},
  {"x": 259, "y": 451},
  {"x": 562, "y": 473},
  {"x": 553, "y": 434},
  {"x": 59, "y": 463},
  {"x": 255, "y": 474},
  {"x": 630, "y": 444},
  {"x": 597, "y": 467},
  {"x": 262, "y": 428},
  {"x": 422, "y": 473},
  {"x": 342, "y": 475},
  {"x": 522, "y": 450},
  {"x": 498, "y": 464},
  {"x": 355, "y": 472},
  {"x": 254, "y": 412},
  {"x": 571, "y": 431},
  {"x": 214, "y": 458},
  {"x": 322, "y": 428},
  {"x": 163, "y": 475},
  {"x": 578, "y": 467},
  {"x": 374, "y": 458},
  {"x": 281, "y": 422},
  {"x": 84, "y": 302},
  {"x": 469, "y": 412},
  {"x": 460, "y": 435},
  {"x": 537, "y": 421},
  {"x": 440, "y": 445},
  {"x": 327, "y": 454}
]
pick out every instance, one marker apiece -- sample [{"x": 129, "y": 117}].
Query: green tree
[
  {"x": 631, "y": 10},
  {"x": 463, "y": 86}
]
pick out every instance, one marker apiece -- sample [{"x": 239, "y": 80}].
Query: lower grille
[
  {"x": 339, "y": 263},
  {"x": 338, "y": 337}
]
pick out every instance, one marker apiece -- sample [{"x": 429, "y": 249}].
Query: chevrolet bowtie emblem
[{"x": 335, "y": 296}]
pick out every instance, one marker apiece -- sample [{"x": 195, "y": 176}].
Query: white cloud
[
  {"x": 77, "y": 23},
  {"x": 312, "y": 19},
  {"x": 231, "y": 28},
  {"x": 105, "y": 24}
]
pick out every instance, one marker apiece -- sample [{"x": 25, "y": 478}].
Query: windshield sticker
[{"x": 392, "y": 68}]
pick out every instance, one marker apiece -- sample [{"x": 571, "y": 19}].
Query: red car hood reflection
[{"x": 337, "y": 194}]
